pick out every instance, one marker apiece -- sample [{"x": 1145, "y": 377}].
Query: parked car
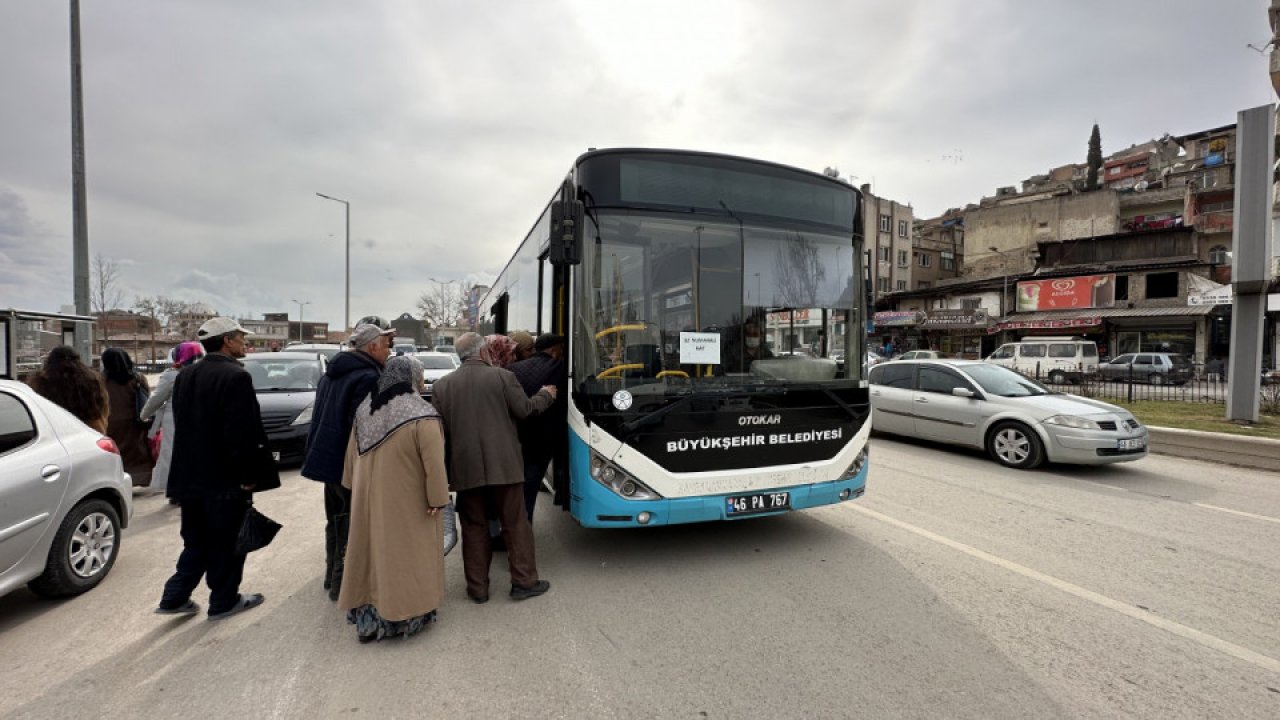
[
  {"x": 404, "y": 349},
  {"x": 1018, "y": 421},
  {"x": 922, "y": 355},
  {"x": 1155, "y": 368},
  {"x": 1058, "y": 359},
  {"x": 286, "y": 385},
  {"x": 65, "y": 498},
  {"x": 329, "y": 350},
  {"x": 436, "y": 365}
]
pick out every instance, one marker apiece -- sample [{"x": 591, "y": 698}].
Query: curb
[{"x": 1222, "y": 448}]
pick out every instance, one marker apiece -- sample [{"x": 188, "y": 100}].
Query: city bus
[{"x": 714, "y": 313}]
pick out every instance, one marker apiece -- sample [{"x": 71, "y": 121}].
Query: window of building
[
  {"x": 1122, "y": 287},
  {"x": 886, "y": 223},
  {"x": 886, "y": 253},
  {"x": 971, "y": 303},
  {"x": 1162, "y": 285},
  {"x": 902, "y": 258},
  {"x": 902, "y": 285},
  {"x": 1114, "y": 171},
  {"x": 1217, "y": 206},
  {"x": 902, "y": 228},
  {"x": 926, "y": 259},
  {"x": 882, "y": 284},
  {"x": 1218, "y": 255},
  {"x": 923, "y": 285},
  {"x": 948, "y": 260}
]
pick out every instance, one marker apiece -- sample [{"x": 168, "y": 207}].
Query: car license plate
[
  {"x": 275, "y": 456},
  {"x": 761, "y": 503},
  {"x": 1132, "y": 444}
]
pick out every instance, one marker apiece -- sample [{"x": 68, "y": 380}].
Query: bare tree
[
  {"x": 160, "y": 311},
  {"x": 444, "y": 305},
  {"x": 801, "y": 273},
  {"x": 107, "y": 294}
]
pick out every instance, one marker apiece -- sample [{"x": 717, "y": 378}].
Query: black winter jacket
[
  {"x": 351, "y": 376},
  {"x": 219, "y": 443}
]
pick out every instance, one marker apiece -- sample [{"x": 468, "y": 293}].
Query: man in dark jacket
[
  {"x": 220, "y": 456},
  {"x": 480, "y": 405},
  {"x": 543, "y": 434},
  {"x": 349, "y": 378}
]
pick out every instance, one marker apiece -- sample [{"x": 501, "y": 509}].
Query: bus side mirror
[{"x": 566, "y": 228}]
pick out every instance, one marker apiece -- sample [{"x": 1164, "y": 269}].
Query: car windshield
[
  {"x": 680, "y": 303},
  {"x": 436, "y": 362},
  {"x": 1004, "y": 382},
  {"x": 272, "y": 373}
]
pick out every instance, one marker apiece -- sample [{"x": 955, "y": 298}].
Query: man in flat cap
[
  {"x": 542, "y": 435},
  {"x": 220, "y": 457},
  {"x": 349, "y": 378}
]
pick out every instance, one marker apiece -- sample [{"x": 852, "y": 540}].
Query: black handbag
[{"x": 256, "y": 532}]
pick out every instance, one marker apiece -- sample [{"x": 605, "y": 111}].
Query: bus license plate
[
  {"x": 764, "y": 502},
  {"x": 1134, "y": 444}
]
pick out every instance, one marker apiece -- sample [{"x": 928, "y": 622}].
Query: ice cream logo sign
[{"x": 1086, "y": 291}]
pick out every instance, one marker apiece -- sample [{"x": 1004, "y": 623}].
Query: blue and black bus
[{"x": 714, "y": 310}]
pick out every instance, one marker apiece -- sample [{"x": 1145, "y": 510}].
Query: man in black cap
[{"x": 541, "y": 435}]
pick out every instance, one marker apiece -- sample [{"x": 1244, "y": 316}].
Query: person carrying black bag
[{"x": 220, "y": 457}]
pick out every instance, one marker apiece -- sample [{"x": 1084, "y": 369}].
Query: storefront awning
[{"x": 1091, "y": 317}]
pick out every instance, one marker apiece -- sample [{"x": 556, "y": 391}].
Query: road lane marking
[
  {"x": 1241, "y": 513},
  {"x": 1237, "y": 651}
]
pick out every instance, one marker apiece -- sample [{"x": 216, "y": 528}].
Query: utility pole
[
  {"x": 346, "y": 319},
  {"x": 80, "y": 214}
]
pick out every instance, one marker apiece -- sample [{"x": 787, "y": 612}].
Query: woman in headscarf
[
  {"x": 73, "y": 386},
  {"x": 159, "y": 412},
  {"x": 124, "y": 390},
  {"x": 498, "y": 350},
  {"x": 393, "y": 581}
]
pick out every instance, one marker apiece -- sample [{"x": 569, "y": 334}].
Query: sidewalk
[{"x": 1240, "y": 450}]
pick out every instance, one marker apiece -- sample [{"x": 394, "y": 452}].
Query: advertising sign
[
  {"x": 1217, "y": 296},
  {"x": 898, "y": 319},
  {"x": 1085, "y": 291},
  {"x": 956, "y": 318}
]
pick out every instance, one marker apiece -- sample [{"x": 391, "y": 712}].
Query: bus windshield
[{"x": 682, "y": 301}]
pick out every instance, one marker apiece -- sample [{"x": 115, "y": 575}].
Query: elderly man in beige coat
[{"x": 481, "y": 404}]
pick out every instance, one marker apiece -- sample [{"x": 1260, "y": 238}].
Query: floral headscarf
[
  {"x": 187, "y": 353},
  {"x": 498, "y": 350},
  {"x": 392, "y": 405}
]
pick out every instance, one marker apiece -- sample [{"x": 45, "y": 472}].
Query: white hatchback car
[
  {"x": 64, "y": 497},
  {"x": 1018, "y": 421}
]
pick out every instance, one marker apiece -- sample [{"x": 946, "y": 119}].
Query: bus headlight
[
  {"x": 619, "y": 481},
  {"x": 858, "y": 463}
]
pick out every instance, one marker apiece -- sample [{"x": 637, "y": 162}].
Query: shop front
[
  {"x": 899, "y": 330},
  {"x": 1182, "y": 330},
  {"x": 957, "y": 332}
]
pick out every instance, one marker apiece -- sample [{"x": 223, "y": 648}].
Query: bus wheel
[{"x": 1015, "y": 445}]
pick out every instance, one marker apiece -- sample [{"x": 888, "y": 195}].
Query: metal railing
[{"x": 1197, "y": 385}]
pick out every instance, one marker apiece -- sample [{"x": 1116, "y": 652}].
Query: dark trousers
[
  {"x": 505, "y": 502},
  {"x": 535, "y": 468},
  {"x": 337, "y": 510},
  {"x": 210, "y": 526}
]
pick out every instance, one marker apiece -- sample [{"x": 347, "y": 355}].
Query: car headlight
[
  {"x": 1072, "y": 421},
  {"x": 304, "y": 417},
  {"x": 619, "y": 481}
]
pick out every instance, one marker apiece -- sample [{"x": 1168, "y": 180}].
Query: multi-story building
[
  {"x": 186, "y": 323},
  {"x": 888, "y": 242},
  {"x": 937, "y": 249}
]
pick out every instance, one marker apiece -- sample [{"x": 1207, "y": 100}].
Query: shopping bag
[
  {"x": 256, "y": 532},
  {"x": 153, "y": 444},
  {"x": 450, "y": 515}
]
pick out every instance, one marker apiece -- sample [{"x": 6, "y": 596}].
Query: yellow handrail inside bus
[
  {"x": 619, "y": 328},
  {"x": 616, "y": 369},
  {"x": 674, "y": 373}
]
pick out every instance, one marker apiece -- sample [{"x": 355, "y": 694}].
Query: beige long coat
[
  {"x": 395, "y": 550},
  {"x": 481, "y": 405}
]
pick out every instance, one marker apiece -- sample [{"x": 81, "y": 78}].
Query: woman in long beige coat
[{"x": 394, "y": 578}]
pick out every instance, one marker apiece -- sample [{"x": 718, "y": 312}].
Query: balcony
[{"x": 1215, "y": 222}]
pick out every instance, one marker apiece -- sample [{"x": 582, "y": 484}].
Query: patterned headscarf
[
  {"x": 187, "y": 353},
  {"x": 498, "y": 350},
  {"x": 393, "y": 404}
]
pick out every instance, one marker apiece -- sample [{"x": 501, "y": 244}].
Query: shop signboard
[
  {"x": 1085, "y": 291},
  {"x": 1080, "y": 322},
  {"x": 956, "y": 318},
  {"x": 1216, "y": 296},
  {"x": 904, "y": 318}
]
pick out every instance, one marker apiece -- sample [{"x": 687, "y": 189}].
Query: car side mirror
[{"x": 963, "y": 392}]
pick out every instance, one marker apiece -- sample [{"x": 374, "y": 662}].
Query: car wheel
[
  {"x": 83, "y": 551},
  {"x": 1156, "y": 379},
  {"x": 1057, "y": 377},
  {"x": 1015, "y": 445}
]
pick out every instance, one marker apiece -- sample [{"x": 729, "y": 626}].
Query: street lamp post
[
  {"x": 346, "y": 320},
  {"x": 301, "y": 304}
]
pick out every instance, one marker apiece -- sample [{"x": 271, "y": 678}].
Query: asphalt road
[{"x": 953, "y": 589}]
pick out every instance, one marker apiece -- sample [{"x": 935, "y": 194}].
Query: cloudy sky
[{"x": 210, "y": 126}]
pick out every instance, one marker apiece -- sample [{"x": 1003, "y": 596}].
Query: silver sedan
[
  {"x": 1019, "y": 422},
  {"x": 64, "y": 497}
]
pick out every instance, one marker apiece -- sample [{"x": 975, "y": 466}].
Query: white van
[{"x": 1057, "y": 360}]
